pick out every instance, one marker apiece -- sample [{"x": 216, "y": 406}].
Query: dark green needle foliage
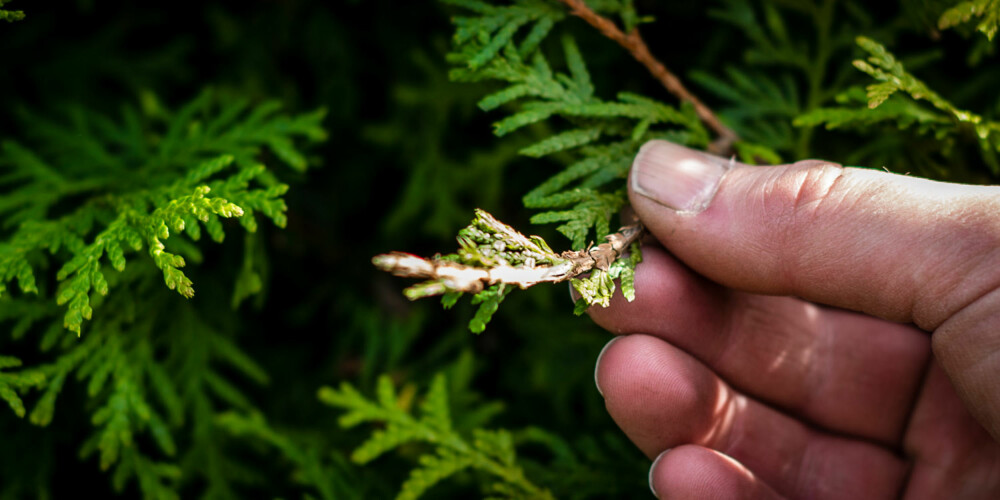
[
  {"x": 909, "y": 104},
  {"x": 101, "y": 217},
  {"x": 490, "y": 453},
  {"x": 187, "y": 305},
  {"x": 595, "y": 138},
  {"x": 11, "y": 383}
]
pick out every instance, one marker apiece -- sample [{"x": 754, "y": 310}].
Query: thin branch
[
  {"x": 634, "y": 43},
  {"x": 448, "y": 276}
]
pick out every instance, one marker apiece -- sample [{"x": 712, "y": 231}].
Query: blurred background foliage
[{"x": 409, "y": 156}]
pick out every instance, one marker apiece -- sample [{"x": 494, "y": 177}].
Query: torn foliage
[{"x": 493, "y": 256}]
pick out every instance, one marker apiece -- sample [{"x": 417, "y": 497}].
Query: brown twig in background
[{"x": 637, "y": 47}]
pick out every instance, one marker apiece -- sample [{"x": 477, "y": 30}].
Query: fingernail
[
  {"x": 677, "y": 177},
  {"x": 598, "y": 364},
  {"x": 653, "y": 468}
]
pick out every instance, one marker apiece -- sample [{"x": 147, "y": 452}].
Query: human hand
[{"x": 760, "y": 392}]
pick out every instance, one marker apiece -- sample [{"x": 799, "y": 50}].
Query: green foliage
[
  {"x": 160, "y": 183},
  {"x": 439, "y": 177},
  {"x": 324, "y": 476},
  {"x": 600, "y": 285},
  {"x": 942, "y": 119},
  {"x": 10, "y": 383},
  {"x": 602, "y": 135},
  {"x": 215, "y": 396},
  {"x": 494, "y": 253},
  {"x": 489, "y": 301},
  {"x": 10, "y": 15},
  {"x": 487, "y": 243},
  {"x": 987, "y": 12},
  {"x": 495, "y": 26},
  {"x": 86, "y": 195},
  {"x": 489, "y": 452},
  {"x": 786, "y": 71}
]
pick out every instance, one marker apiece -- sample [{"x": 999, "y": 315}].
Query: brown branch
[
  {"x": 448, "y": 276},
  {"x": 634, "y": 43}
]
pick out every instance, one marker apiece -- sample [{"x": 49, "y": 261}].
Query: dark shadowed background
[{"x": 409, "y": 156}]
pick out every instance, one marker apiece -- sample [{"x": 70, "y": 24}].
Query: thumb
[{"x": 897, "y": 247}]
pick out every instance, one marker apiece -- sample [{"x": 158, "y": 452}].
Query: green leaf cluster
[
  {"x": 10, "y": 15},
  {"x": 11, "y": 383},
  {"x": 86, "y": 196},
  {"x": 490, "y": 453},
  {"x": 313, "y": 468},
  {"x": 598, "y": 137},
  {"x": 987, "y": 12},
  {"x": 922, "y": 109},
  {"x": 177, "y": 173},
  {"x": 789, "y": 68},
  {"x": 487, "y": 243},
  {"x": 600, "y": 285}
]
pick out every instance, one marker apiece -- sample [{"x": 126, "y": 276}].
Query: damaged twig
[
  {"x": 502, "y": 255},
  {"x": 634, "y": 43}
]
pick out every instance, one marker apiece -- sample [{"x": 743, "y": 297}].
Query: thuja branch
[
  {"x": 634, "y": 43},
  {"x": 492, "y": 252},
  {"x": 493, "y": 257}
]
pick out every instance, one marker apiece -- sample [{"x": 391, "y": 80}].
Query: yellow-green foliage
[
  {"x": 10, "y": 15},
  {"x": 987, "y": 12},
  {"x": 942, "y": 119},
  {"x": 85, "y": 199}
]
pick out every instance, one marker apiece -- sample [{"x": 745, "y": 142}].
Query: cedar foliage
[{"x": 142, "y": 150}]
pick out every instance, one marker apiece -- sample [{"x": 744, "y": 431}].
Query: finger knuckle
[
  {"x": 814, "y": 187},
  {"x": 796, "y": 199}
]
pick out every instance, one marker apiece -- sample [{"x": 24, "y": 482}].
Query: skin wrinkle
[
  {"x": 772, "y": 212},
  {"x": 977, "y": 269},
  {"x": 917, "y": 393},
  {"x": 978, "y": 389},
  {"x": 949, "y": 342},
  {"x": 992, "y": 474},
  {"x": 729, "y": 328},
  {"x": 796, "y": 245},
  {"x": 938, "y": 406},
  {"x": 790, "y": 463},
  {"x": 801, "y": 486},
  {"x": 911, "y": 422},
  {"x": 958, "y": 344},
  {"x": 957, "y": 257},
  {"x": 816, "y": 188},
  {"x": 736, "y": 430},
  {"x": 938, "y": 457},
  {"x": 819, "y": 375},
  {"x": 978, "y": 482},
  {"x": 784, "y": 220},
  {"x": 730, "y": 440},
  {"x": 754, "y": 316},
  {"x": 817, "y": 367}
]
